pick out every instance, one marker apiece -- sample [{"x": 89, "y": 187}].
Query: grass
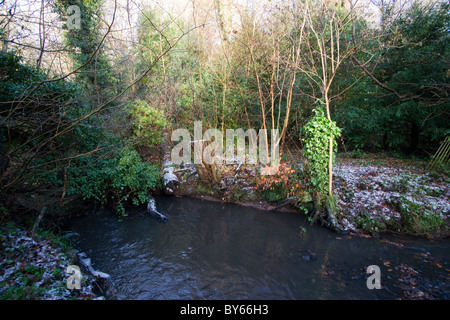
[{"x": 418, "y": 219}]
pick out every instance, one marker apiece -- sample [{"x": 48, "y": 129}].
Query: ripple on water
[{"x": 213, "y": 251}]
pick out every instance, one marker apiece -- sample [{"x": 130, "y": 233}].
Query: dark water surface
[{"x": 210, "y": 250}]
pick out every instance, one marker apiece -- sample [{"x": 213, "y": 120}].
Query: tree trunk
[
  {"x": 414, "y": 138},
  {"x": 330, "y": 154},
  {"x": 330, "y": 169},
  {"x": 209, "y": 174},
  {"x": 151, "y": 208},
  {"x": 4, "y": 160}
]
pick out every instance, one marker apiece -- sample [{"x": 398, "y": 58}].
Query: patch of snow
[{"x": 372, "y": 189}]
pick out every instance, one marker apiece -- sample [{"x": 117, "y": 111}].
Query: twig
[
  {"x": 237, "y": 173},
  {"x": 180, "y": 170}
]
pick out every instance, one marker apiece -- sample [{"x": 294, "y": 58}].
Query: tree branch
[{"x": 402, "y": 97}]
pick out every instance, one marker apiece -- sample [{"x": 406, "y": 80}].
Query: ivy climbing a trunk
[{"x": 320, "y": 145}]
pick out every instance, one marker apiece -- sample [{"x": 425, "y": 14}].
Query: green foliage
[
  {"x": 153, "y": 32},
  {"x": 103, "y": 173},
  {"x": 96, "y": 76},
  {"x": 19, "y": 79},
  {"x": 358, "y": 154},
  {"x": 367, "y": 223},
  {"x": 443, "y": 168},
  {"x": 317, "y": 134},
  {"x": 302, "y": 230},
  {"x": 120, "y": 179},
  {"x": 413, "y": 61},
  {"x": 275, "y": 193},
  {"x": 148, "y": 122},
  {"x": 418, "y": 219},
  {"x": 31, "y": 113}
]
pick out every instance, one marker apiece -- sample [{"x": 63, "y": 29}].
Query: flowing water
[{"x": 210, "y": 250}]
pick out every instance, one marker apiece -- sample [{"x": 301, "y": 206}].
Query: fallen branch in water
[
  {"x": 285, "y": 203},
  {"x": 151, "y": 208}
]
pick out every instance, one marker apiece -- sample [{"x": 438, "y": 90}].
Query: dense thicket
[{"x": 402, "y": 101}]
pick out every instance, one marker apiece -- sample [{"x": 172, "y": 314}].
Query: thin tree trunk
[
  {"x": 330, "y": 169},
  {"x": 330, "y": 155},
  {"x": 41, "y": 36}
]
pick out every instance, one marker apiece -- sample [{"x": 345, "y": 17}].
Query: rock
[
  {"x": 170, "y": 180},
  {"x": 99, "y": 274}
]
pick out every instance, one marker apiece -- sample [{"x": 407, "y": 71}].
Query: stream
[{"x": 210, "y": 250}]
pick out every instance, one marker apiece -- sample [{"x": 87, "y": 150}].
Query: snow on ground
[
  {"x": 374, "y": 190},
  {"x": 32, "y": 268}
]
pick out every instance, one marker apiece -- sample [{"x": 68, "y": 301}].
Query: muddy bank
[{"x": 260, "y": 205}]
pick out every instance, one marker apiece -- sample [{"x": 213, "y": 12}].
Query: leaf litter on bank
[
  {"x": 378, "y": 191},
  {"x": 32, "y": 268}
]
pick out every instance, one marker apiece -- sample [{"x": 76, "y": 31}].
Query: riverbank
[
  {"x": 34, "y": 267},
  {"x": 373, "y": 194},
  {"x": 377, "y": 195}
]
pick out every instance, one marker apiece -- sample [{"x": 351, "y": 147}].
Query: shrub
[
  {"x": 148, "y": 122},
  {"x": 369, "y": 224},
  {"x": 287, "y": 182},
  {"x": 120, "y": 179}
]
